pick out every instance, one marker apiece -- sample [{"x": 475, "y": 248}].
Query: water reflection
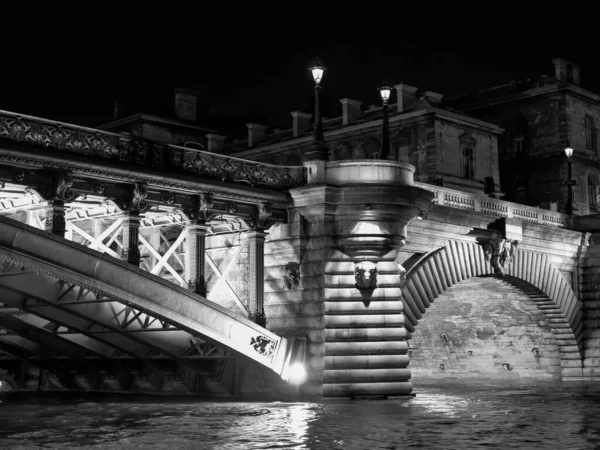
[
  {"x": 439, "y": 417},
  {"x": 449, "y": 405}
]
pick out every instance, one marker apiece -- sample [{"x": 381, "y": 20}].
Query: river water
[{"x": 503, "y": 415}]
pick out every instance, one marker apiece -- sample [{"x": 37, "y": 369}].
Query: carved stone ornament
[
  {"x": 264, "y": 212},
  {"x": 402, "y": 275},
  {"x": 263, "y": 345},
  {"x": 99, "y": 188},
  {"x": 365, "y": 274},
  {"x": 231, "y": 208},
  {"x": 500, "y": 252},
  {"x": 168, "y": 198},
  {"x": 62, "y": 190},
  {"x": 19, "y": 177},
  {"x": 205, "y": 203},
  {"x": 138, "y": 198},
  {"x": 291, "y": 275}
]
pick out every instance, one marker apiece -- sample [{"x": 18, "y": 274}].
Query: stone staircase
[
  {"x": 365, "y": 337},
  {"x": 568, "y": 347}
]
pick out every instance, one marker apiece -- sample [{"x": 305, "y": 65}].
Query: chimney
[
  {"x": 185, "y": 104},
  {"x": 350, "y": 110},
  {"x": 407, "y": 96},
  {"x": 215, "y": 142},
  {"x": 433, "y": 97},
  {"x": 566, "y": 71},
  {"x": 301, "y": 122},
  {"x": 575, "y": 74},
  {"x": 117, "y": 109},
  {"x": 256, "y": 133}
]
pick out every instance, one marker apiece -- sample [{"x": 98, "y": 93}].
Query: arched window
[
  {"x": 590, "y": 133},
  {"x": 591, "y": 186}
]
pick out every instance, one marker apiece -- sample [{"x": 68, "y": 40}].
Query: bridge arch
[
  {"x": 531, "y": 272},
  {"x": 49, "y": 277}
]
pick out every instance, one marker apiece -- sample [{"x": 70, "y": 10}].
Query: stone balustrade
[
  {"x": 60, "y": 136},
  {"x": 495, "y": 207}
]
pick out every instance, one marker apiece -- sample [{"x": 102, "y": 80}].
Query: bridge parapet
[
  {"x": 495, "y": 207},
  {"x": 60, "y": 136}
]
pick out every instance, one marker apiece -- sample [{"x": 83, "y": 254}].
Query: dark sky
[{"x": 250, "y": 62}]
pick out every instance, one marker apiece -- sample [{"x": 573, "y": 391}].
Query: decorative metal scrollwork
[
  {"x": 263, "y": 345},
  {"x": 206, "y": 202},
  {"x": 62, "y": 190},
  {"x": 139, "y": 194},
  {"x": 264, "y": 212},
  {"x": 98, "y": 143}
]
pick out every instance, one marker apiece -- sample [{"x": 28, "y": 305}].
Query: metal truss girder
[
  {"x": 47, "y": 293},
  {"x": 15, "y": 340},
  {"x": 112, "y": 316},
  {"x": 54, "y": 258},
  {"x": 55, "y": 315},
  {"x": 47, "y": 343},
  {"x": 16, "y": 351},
  {"x": 74, "y": 339},
  {"x": 143, "y": 334},
  {"x": 97, "y": 243}
]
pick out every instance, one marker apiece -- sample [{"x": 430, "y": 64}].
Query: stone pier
[{"x": 341, "y": 287}]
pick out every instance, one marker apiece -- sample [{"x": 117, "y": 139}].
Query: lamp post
[
  {"x": 570, "y": 182},
  {"x": 317, "y": 73},
  {"x": 385, "y": 92}
]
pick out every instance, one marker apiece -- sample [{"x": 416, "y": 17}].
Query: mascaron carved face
[{"x": 365, "y": 274}]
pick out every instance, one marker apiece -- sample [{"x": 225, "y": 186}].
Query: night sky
[{"x": 250, "y": 62}]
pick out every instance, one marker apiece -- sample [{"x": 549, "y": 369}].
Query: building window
[
  {"x": 518, "y": 146},
  {"x": 403, "y": 154},
  {"x": 590, "y": 138},
  {"x": 591, "y": 185},
  {"x": 468, "y": 162}
]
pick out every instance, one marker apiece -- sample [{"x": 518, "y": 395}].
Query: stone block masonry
[
  {"x": 365, "y": 337},
  {"x": 484, "y": 327}
]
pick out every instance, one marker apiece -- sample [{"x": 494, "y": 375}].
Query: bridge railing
[
  {"x": 495, "y": 207},
  {"x": 93, "y": 142}
]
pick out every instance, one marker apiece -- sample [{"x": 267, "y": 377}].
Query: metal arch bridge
[
  {"x": 142, "y": 332},
  {"x": 62, "y": 300}
]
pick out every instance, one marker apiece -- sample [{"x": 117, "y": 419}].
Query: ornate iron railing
[
  {"x": 495, "y": 207},
  {"x": 89, "y": 141}
]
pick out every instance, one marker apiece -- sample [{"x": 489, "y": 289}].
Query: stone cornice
[
  {"x": 153, "y": 178},
  {"x": 143, "y": 117},
  {"x": 354, "y": 129},
  {"x": 541, "y": 92}
]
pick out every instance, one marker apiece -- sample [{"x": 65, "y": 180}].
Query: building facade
[
  {"x": 446, "y": 147},
  {"x": 542, "y": 117}
]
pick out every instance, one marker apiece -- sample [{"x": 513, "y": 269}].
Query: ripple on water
[{"x": 439, "y": 417}]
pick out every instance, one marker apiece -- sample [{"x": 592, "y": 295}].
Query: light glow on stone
[
  {"x": 368, "y": 228},
  {"x": 297, "y": 374}
]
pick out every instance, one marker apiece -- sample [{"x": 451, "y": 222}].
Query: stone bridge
[{"x": 191, "y": 272}]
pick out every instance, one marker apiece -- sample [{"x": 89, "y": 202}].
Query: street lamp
[
  {"x": 385, "y": 92},
  {"x": 317, "y": 73},
  {"x": 570, "y": 182}
]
